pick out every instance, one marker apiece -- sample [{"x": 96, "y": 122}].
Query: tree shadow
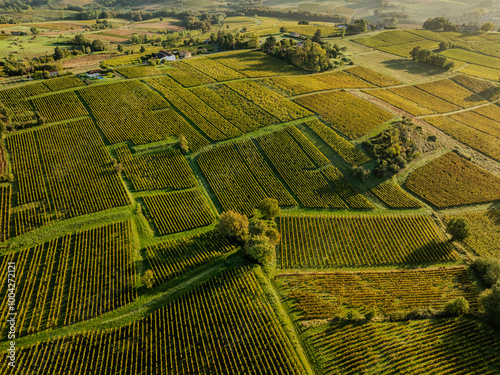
[
  {"x": 434, "y": 251},
  {"x": 413, "y": 67},
  {"x": 494, "y": 215}
]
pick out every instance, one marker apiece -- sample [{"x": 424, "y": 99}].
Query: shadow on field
[
  {"x": 431, "y": 252},
  {"x": 413, "y": 67}
]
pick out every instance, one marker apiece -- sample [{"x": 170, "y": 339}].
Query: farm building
[
  {"x": 53, "y": 73},
  {"x": 184, "y": 54},
  {"x": 94, "y": 73},
  {"x": 295, "y": 35},
  {"x": 165, "y": 56}
]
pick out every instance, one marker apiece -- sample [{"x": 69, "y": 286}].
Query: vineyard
[
  {"x": 73, "y": 278},
  {"x": 454, "y": 346},
  {"x": 5, "y": 203},
  {"x": 213, "y": 69},
  {"x": 395, "y": 197},
  {"x": 453, "y": 181},
  {"x": 351, "y": 241},
  {"x": 326, "y": 295},
  {"x": 178, "y": 211},
  {"x": 346, "y": 113},
  {"x": 225, "y": 326},
  {"x": 80, "y": 176},
  {"x": 173, "y": 258},
  {"x": 484, "y": 226},
  {"x": 59, "y": 106},
  {"x": 187, "y": 75},
  {"x": 240, "y": 177},
  {"x": 162, "y": 170}
]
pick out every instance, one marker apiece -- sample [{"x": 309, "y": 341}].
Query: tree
[
  {"x": 435, "y": 23},
  {"x": 317, "y": 36},
  {"x": 488, "y": 26},
  {"x": 443, "y": 46},
  {"x": 273, "y": 235},
  {"x": 143, "y": 49},
  {"x": 34, "y": 30},
  {"x": 257, "y": 227},
  {"x": 148, "y": 279},
  {"x": 414, "y": 52},
  {"x": 233, "y": 224},
  {"x": 489, "y": 301},
  {"x": 269, "y": 44},
  {"x": 59, "y": 53},
  {"x": 261, "y": 250},
  {"x": 269, "y": 207},
  {"x": 458, "y": 228},
  {"x": 120, "y": 48},
  {"x": 283, "y": 29},
  {"x": 457, "y": 307},
  {"x": 98, "y": 45}
]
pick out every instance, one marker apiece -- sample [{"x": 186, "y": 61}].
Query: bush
[
  {"x": 354, "y": 315},
  {"x": 419, "y": 313},
  {"x": 490, "y": 303},
  {"x": 260, "y": 249},
  {"x": 269, "y": 208},
  {"x": 119, "y": 168},
  {"x": 456, "y": 307},
  {"x": 233, "y": 224},
  {"x": 489, "y": 269},
  {"x": 183, "y": 144},
  {"x": 273, "y": 235},
  {"x": 458, "y": 228},
  {"x": 148, "y": 279}
]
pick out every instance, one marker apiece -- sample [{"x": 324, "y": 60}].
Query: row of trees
[{"x": 441, "y": 23}]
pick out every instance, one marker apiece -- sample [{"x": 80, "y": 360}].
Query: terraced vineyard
[
  {"x": 325, "y": 295},
  {"x": 351, "y": 241}
]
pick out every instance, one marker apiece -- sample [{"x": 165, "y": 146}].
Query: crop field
[
  {"x": 478, "y": 122},
  {"x": 482, "y": 142},
  {"x": 295, "y": 85},
  {"x": 161, "y": 170},
  {"x": 241, "y": 178},
  {"x": 178, "y": 211},
  {"x": 5, "y": 203},
  {"x": 73, "y": 278},
  {"x": 31, "y": 218},
  {"x": 342, "y": 80},
  {"x": 15, "y": 100},
  {"x": 79, "y": 182},
  {"x": 389, "y": 38},
  {"x": 59, "y": 106},
  {"x": 346, "y": 113},
  {"x": 395, "y": 197},
  {"x": 255, "y": 64},
  {"x": 373, "y": 77},
  {"x": 213, "y": 69},
  {"x": 455, "y": 346},
  {"x": 325, "y": 295},
  {"x": 404, "y": 49},
  {"x": 451, "y": 180},
  {"x": 351, "y": 241},
  {"x": 340, "y": 145},
  {"x": 425, "y": 99},
  {"x": 298, "y": 170},
  {"x": 400, "y": 102},
  {"x": 451, "y": 92},
  {"x": 63, "y": 83},
  {"x": 200, "y": 332},
  {"x": 209, "y": 121},
  {"x": 484, "y": 226},
  {"x": 187, "y": 76},
  {"x": 481, "y": 72},
  {"x": 173, "y": 258},
  {"x": 491, "y": 111},
  {"x": 281, "y": 108},
  {"x": 487, "y": 89},
  {"x": 140, "y": 71},
  {"x": 472, "y": 57}
]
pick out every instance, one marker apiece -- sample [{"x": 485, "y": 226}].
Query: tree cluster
[
  {"x": 489, "y": 270},
  {"x": 428, "y": 57},
  {"x": 393, "y": 148},
  {"x": 87, "y": 45},
  {"x": 439, "y": 23}
]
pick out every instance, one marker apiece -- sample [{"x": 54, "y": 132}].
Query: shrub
[
  {"x": 273, "y": 235},
  {"x": 233, "y": 224},
  {"x": 456, "y": 307},
  {"x": 489, "y": 269},
  {"x": 257, "y": 227},
  {"x": 183, "y": 144},
  {"x": 269, "y": 208},
  {"x": 148, "y": 279},
  {"x": 490, "y": 303}
]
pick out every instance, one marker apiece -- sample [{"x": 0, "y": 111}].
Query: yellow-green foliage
[
  {"x": 425, "y": 99},
  {"x": 373, "y": 77},
  {"x": 395, "y": 197},
  {"x": 484, "y": 228},
  {"x": 450, "y": 180},
  {"x": 350, "y": 115},
  {"x": 451, "y": 92},
  {"x": 400, "y": 102}
]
